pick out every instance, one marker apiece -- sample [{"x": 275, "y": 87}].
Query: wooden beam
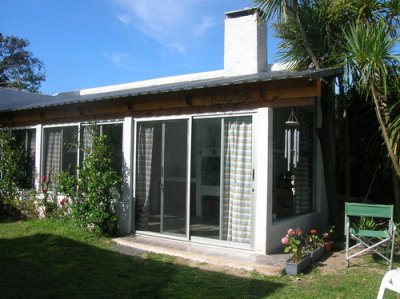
[{"x": 280, "y": 93}]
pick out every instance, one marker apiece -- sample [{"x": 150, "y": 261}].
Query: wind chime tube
[
  {"x": 295, "y": 148},
  {"x": 286, "y": 136},
  {"x": 298, "y": 145},
  {"x": 289, "y": 149}
]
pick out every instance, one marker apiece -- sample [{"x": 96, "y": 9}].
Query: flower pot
[
  {"x": 328, "y": 246},
  {"x": 294, "y": 268},
  {"x": 316, "y": 254}
]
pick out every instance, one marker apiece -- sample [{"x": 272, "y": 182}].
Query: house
[{"x": 227, "y": 158}]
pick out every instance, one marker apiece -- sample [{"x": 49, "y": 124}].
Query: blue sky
[{"x": 90, "y": 43}]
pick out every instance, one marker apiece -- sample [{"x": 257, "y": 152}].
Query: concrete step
[{"x": 215, "y": 255}]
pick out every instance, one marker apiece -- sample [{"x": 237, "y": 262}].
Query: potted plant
[
  {"x": 299, "y": 259},
  {"x": 315, "y": 245},
  {"x": 328, "y": 239}
]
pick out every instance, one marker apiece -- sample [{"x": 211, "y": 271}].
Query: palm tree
[
  {"x": 368, "y": 50},
  {"x": 305, "y": 34},
  {"x": 312, "y": 32}
]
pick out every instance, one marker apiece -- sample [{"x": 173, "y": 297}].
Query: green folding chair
[{"x": 379, "y": 240}]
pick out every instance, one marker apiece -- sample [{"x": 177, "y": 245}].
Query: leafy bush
[
  {"x": 367, "y": 223},
  {"x": 11, "y": 172},
  {"x": 93, "y": 201}
]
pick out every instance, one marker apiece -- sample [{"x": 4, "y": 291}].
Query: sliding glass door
[
  {"x": 221, "y": 178},
  {"x": 222, "y": 160},
  {"x": 161, "y": 176}
]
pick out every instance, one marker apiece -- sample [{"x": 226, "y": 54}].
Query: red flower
[
  {"x": 44, "y": 190},
  {"x": 44, "y": 178},
  {"x": 313, "y": 232}
]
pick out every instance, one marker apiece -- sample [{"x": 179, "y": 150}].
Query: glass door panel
[
  {"x": 221, "y": 207},
  {"x": 175, "y": 177},
  {"x": 206, "y": 165},
  {"x": 148, "y": 176},
  {"x": 161, "y": 176}
]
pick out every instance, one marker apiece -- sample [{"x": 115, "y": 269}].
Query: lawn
[{"x": 48, "y": 259}]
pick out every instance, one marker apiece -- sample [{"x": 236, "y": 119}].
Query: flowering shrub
[
  {"x": 92, "y": 201},
  {"x": 294, "y": 244},
  {"x": 313, "y": 241}
]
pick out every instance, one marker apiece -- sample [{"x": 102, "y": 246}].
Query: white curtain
[
  {"x": 238, "y": 180},
  {"x": 143, "y": 173},
  {"x": 53, "y": 155}
]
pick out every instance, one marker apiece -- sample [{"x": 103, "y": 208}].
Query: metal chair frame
[{"x": 372, "y": 240}]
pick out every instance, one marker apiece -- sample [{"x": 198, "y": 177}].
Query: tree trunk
[
  {"x": 325, "y": 134},
  {"x": 385, "y": 135},
  {"x": 347, "y": 175},
  {"x": 292, "y": 9},
  {"x": 396, "y": 192}
]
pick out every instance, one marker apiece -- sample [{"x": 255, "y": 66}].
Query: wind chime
[{"x": 292, "y": 141}]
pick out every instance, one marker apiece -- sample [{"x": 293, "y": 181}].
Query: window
[
  {"x": 114, "y": 137},
  {"x": 26, "y": 141},
  {"x": 59, "y": 152},
  {"x": 293, "y": 186}
]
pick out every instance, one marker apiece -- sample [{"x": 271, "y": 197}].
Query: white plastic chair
[{"x": 390, "y": 281}]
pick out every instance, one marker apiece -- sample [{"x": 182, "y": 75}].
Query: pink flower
[
  {"x": 285, "y": 240},
  {"x": 291, "y": 232},
  {"x": 313, "y": 232}
]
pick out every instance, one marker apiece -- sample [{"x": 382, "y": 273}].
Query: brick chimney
[{"x": 245, "y": 50}]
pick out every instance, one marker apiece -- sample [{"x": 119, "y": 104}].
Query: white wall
[
  {"x": 38, "y": 156},
  {"x": 263, "y": 181},
  {"x": 125, "y": 207}
]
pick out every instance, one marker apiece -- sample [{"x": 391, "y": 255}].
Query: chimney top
[{"x": 241, "y": 13}]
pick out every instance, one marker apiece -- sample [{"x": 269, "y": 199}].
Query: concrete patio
[{"x": 221, "y": 257}]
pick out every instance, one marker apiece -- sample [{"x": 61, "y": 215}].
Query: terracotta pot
[{"x": 328, "y": 246}]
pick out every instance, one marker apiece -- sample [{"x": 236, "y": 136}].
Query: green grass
[{"x": 52, "y": 259}]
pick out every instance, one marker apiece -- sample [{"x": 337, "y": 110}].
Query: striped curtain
[
  {"x": 31, "y": 157},
  {"x": 238, "y": 180},
  {"x": 143, "y": 173},
  {"x": 53, "y": 156}
]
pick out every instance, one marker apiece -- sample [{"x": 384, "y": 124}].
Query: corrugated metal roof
[{"x": 13, "y": 100}]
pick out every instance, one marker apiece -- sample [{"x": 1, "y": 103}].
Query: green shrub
[
  {"x": 93, "y": 201},
  {"x": 11, "y": 171}
]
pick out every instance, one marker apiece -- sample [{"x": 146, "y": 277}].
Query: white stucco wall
[
  {"x": 262, "y": 152},
  {"x": 38, "y": 156},
  {"x": 125, "y": 207}
]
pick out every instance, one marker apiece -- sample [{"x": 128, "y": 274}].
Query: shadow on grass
[
  {"x": 46, "y": 265},
  {"x": 8, "y": 219}
]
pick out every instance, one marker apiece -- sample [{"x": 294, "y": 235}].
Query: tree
[
  {"x": 369, "y": 56},
  {"x": 95, "y": 192},
  {"x": 337, "y": 32},
  {"x": 306, "y": 41},
  {"x": 18, "y": 67}
]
